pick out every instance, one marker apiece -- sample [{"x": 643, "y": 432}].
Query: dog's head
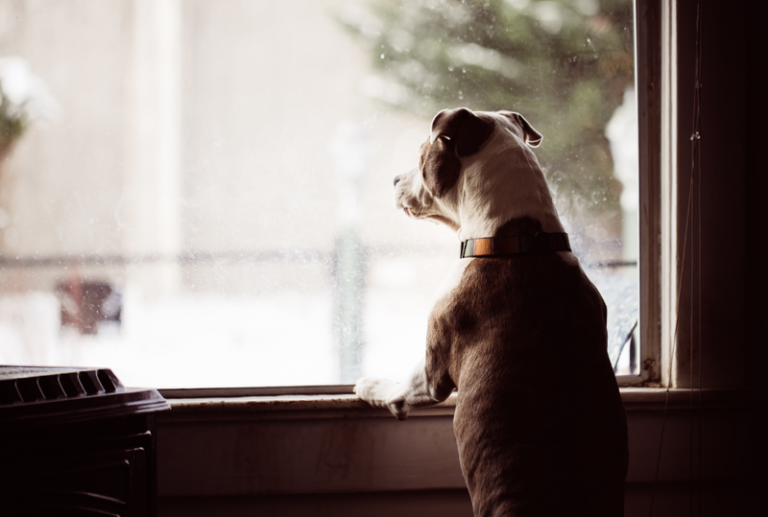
[{"x": 476, "y": 172}]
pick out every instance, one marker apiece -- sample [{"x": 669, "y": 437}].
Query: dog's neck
[
  {"x": 515, "y": 188},
  {"x": 519, "y": 226}
]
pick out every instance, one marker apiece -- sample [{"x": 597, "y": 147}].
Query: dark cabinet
[{"x": 76, "y": 442}]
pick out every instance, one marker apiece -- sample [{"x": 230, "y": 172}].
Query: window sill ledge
[{"x": 232, "y": 404}]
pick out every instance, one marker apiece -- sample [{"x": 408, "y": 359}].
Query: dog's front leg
[{"x": 400, "y": 398}]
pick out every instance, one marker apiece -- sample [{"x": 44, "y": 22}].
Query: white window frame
[
  {"x": 654, "y": 78},
  {"x": 655, "y": 50}
]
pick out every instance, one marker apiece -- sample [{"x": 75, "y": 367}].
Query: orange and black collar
[{"x": 541, "y": 242}]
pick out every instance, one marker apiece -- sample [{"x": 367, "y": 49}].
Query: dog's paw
[
  {"x": 374, "y": 390},
  {"x": 398, "y": 408},
  {"x": 382, "y": 393}
]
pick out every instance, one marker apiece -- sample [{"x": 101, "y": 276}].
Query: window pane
[{"x": 200, "y": 193}]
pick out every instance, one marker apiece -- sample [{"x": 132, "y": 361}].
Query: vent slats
[
  {"x": 29, "y": 389},
  {"x": 67, "y": 385},
  {"x": 108, "y": 380},
  {"x": 72, "y": 385},
  {"x": 91, "y": 382},
  {"x": 51, "y": 387}
]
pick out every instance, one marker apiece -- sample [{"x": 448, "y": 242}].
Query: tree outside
[{"x": 564, "y": 64}]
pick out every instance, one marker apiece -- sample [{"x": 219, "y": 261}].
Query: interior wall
[
  {"x": 756, "y": 222},
  {"x": 339, "y": 457},
  {"x": 711, "y": 208}
]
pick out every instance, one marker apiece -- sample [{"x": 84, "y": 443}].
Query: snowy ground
[
  {"x": 280, "y": 339},
  {"x": 214, "y": 341}
]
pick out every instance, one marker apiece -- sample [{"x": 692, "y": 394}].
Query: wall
[
  {"x": 756, "y": 249},
  {"x": 313, "y": 455}
]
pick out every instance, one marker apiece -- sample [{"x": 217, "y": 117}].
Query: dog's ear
[
  {"x": 440, "y": 167},
  {"x": 532, "y": 137},
  {"x": 468, "y": 131}
]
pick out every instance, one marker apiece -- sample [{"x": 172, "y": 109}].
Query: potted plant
[{"x": 23, "y": 99}]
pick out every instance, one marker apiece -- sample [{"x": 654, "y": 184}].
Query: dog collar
[{"x": 542, "y": 242}]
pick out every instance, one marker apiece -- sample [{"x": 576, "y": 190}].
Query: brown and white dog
[{"x": 539, "y": 422}]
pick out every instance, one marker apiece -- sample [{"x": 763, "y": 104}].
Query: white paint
[{"x": 668, "y": 186}]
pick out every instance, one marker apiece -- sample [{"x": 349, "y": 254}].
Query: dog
[{"x": 517, "y": 329}]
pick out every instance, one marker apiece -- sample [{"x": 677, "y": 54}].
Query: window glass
[{"x": 199, "y": 193}]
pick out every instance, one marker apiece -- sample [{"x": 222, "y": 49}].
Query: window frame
[
  {"x": 655, "y": 66},
  {"x": 654, "y": 92},
  {"x": 655, "y": 72}
]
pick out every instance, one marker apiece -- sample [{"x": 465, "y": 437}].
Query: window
[{"x": 203, "y": 198}]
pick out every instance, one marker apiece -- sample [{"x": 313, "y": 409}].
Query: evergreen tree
[{"x": 563, "y": 64}]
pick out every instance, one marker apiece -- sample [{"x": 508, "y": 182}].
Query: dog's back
[{"x": 539, "y": 421}]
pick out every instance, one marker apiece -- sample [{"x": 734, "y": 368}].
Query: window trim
[
  {"x": 655, "y": 73},
  {"x": 656, "y": 87},
  {"x": 653, "y": 95},
  {"x": 668, "y": 251},
  {"x": 278, "y": 403}
]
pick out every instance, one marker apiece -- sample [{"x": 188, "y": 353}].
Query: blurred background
[{"x": 199, "y": 193}]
